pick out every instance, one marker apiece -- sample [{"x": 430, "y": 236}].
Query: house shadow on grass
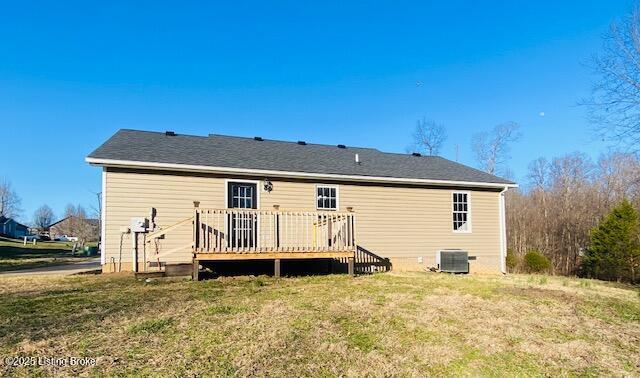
[{"x": 27, "y": 253}]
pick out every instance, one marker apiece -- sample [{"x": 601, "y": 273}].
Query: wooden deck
[
  {"x": 233, "y": 233},
  {"x": 247, "y": 234}
]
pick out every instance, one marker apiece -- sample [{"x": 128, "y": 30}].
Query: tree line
[
  {"x": 77, "y": 224},
  {"x": 562, "y": 202},
  {"x": 572, "y": 215}
]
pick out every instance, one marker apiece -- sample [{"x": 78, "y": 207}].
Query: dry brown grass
[{"x": 380, "y": 325}]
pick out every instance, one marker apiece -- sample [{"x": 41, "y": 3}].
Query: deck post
[
  {"x": 195, "y": 275},
  {"x": 351, "y": 266},
  {"x": 276, "y": 268}
]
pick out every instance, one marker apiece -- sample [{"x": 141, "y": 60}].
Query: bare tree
[
  {"x": 429, "y": 136},
  {"x": 492, "y": 148},
  {"x": 77, "y": 224},
  {"x": 96, "y": 210},
  {"x": 43, "y": 217},
  {"x": 614, "y": 105},
  {"x": 9, "y": 200},
  {"x": 538, "y": 174}
]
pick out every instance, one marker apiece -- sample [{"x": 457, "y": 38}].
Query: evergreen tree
[{"x": 614, "y": 253}]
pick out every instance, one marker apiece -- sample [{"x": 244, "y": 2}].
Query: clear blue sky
[{"x": 72, "y": 73}]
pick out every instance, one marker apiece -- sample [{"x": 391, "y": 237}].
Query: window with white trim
[
  {"x": 461, "y": 218},
  {"x": 326, "y": 197}
]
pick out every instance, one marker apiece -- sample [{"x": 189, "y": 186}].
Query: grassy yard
[
  {"x": 378, "y": 325},
  {"x": 14, "y": 255}
]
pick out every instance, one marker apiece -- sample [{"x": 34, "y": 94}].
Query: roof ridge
[
  {"x": 293, "y": 142},
  {"x": 278, "y": 141}
]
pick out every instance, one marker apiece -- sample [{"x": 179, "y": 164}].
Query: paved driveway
[{"x": 66, "y": 269}]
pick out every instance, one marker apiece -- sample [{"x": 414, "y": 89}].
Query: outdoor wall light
[{"x": 268, "y": 186}]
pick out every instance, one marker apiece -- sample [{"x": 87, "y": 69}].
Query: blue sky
[{"x": 72, "y": 73}]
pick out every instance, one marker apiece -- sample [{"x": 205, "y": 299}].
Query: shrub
[
  {"x": 614, "y": 251},
  {"x": 536, "y": 262},
  {"x": 512, "y": 260}
]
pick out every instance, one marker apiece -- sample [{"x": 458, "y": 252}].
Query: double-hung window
[
  {"x": 326, "y": 197},
  {"x": 461, "y": 212}
]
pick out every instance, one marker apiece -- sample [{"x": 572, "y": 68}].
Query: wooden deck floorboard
[{"x": 273, "y": 255}]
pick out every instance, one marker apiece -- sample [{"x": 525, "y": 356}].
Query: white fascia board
[{"x": 287, "y": 174}]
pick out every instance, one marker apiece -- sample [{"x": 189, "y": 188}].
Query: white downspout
[
  {"x": 103, "y": 219},
  {"x": 503, "y": 232}
]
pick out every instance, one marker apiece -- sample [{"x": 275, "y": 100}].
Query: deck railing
[{"x": 255, "y": 231}]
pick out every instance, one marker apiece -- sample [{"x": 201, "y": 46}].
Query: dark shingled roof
[{"x": 247, "y": 153}]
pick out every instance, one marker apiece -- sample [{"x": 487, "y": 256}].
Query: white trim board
[
  {"x": 503, "y": 230},
  {"x": 288, "y": 174}
]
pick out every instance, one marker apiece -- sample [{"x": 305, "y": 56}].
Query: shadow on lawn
[
  {"x": 42, "y": 314},
  {"x": 29, "y": 253}
]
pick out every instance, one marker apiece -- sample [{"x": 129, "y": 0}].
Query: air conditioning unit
[{"x": 453, "y": 261}]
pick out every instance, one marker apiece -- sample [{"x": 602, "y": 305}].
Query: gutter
[{"x": 287, "y": 174}]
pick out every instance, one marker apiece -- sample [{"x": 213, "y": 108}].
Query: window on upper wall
[
  {"x": 326, "y": 197},
  {"x": 461, "y": 213}
]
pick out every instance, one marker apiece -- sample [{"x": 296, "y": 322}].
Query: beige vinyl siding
[
  {"x": 407, "y": 223},
  {"x": 134, "y": 194},
  {"x": 404, "y": 223},
  {"x": 401, "y": 223}
]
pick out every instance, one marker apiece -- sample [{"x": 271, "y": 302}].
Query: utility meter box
[{"x": 139, "y": 224}]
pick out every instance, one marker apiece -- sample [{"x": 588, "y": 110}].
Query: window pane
[
  {"x": 460, "y": 211},
  {"x": 326, "y": 197}
]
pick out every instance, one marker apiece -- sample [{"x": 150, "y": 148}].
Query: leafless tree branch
[
  {"x": 614, "y": 104},
  {"x": 9, "y": 200},
  {"x": 492, "y": 148},
  {"x": 428, "y": 137}
]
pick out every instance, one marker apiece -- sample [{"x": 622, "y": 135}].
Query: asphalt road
[{"x": 66, "y": 269}]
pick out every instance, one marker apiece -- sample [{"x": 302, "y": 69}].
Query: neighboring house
[
  {"x": 10, "y": 228},
  {"x": 200, "y": 199},
  {"x": 71, "y": 228}
]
